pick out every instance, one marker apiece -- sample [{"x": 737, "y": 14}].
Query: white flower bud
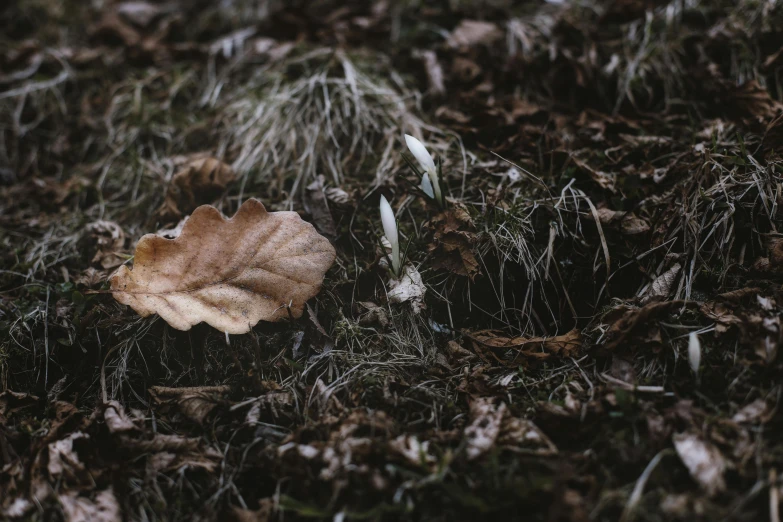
[
  {"x": 694, "y": 352},
  {"x": 390, "y": 231},
  {"x": 420, "y": 153},
  {"x": 426, "y": 185}
]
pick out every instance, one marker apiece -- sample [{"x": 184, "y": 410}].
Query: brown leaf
[
  {"x": 605, "y": 180},
  {"x": 523, "y": 434},
  {"x": 566, "y": 345},
  {"x": 663, "y": 284},
  {"x": 633, "y": 225},
  {"x": 415, "y": 452},
  {"x": 63, "y": 459},
  {"x": 470, "y": 33},
  {"x": 408, "y": 288},
  {"x": 773, "y": 134},
  {"x": 193, "y": 402},
  {"x": 199, "y": 181},
  {"x": 109, "y": 240},
  {"x": 456, "y": 255},
  {"x": 757, "y": 412},
  {"x": 630, "y": 224},
  {"x": 704, "y": 461},
  {"x": 620, "y": 329},
  {"x": 116, "y": 419},
  {"x": 339, "y": 198},
  {"x": 11, "y": 402},
  {"x": 91, "y": 277},
  {"x": 484, "y": 429},
  {"x": 370, "y": 313},
  {"x": 453, "y": 242},
  {"x": 735, "y": 296},
  {"x": 608, "y": 216},
  {"x": 172, "y": 452},
  {"x": 464, "y": 70},
  {"x": 229, "y": 273},
  {"x": 751, "y": 99},
  {"x": 103, "y": 508}
]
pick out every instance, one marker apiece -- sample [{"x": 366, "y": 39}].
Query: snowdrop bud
[
  {"x": 389, "y": 223},
  {"x": 694, "y": 352},
  {"x": 426, "y": 185},
  {"x": 390, "y": 231},
  {"x": 420, "y": 153}
]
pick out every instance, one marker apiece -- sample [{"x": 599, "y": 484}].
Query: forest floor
[{"x": 613, "y": 175}]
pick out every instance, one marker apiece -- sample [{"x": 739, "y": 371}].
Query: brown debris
[
  {"x": 199, "y": 181},
  {"x": 492, "y": 424},
  {"x": 453, "y": 242},
  {"x": 621, "y": 328},
  {"x": 533, "y": 348},
  {"x": 108, "y": 239},
  {"x": 704, "y": 461},
  {"x": 470, "y": 33},
  {"x": 103, "y": 507},
  {"x": 13, "y": 402},
  {"x": 195, "y": 403}
]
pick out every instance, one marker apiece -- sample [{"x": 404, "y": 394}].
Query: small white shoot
[
  {"x": 430, "y": 182},
  {"x": 694, "y": 352},
  {"x": 390, "y": 231}
]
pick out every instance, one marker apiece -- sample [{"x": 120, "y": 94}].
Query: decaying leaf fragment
[
  {"x": 453, "y": 242},
  {"x": 495, "y": 345},
  {"x": 201, "y": 180},
  {"x": 195, "y": 402},
  {"x": 103, "y": 508},
  {"x": 229, "y": 273},
  {"x": 108, "y": 239},
  {"x": 704, "y": 461},
  {"x": 409, "y": 287},
  {"x": 474, "y": 32}
]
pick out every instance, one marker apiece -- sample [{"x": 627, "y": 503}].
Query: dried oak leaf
[
  {"x": 488, "y": 341},
  {"x": 199, "y": 181},
  {"x": 453, "y": 242},
  {"x": 229, "y": 273},
  {"x": 195, "y": 402},
  {"x": 623, "y": 321}
]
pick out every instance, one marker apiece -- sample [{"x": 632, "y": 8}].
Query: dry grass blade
[{"x": 333, "y": 120}]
